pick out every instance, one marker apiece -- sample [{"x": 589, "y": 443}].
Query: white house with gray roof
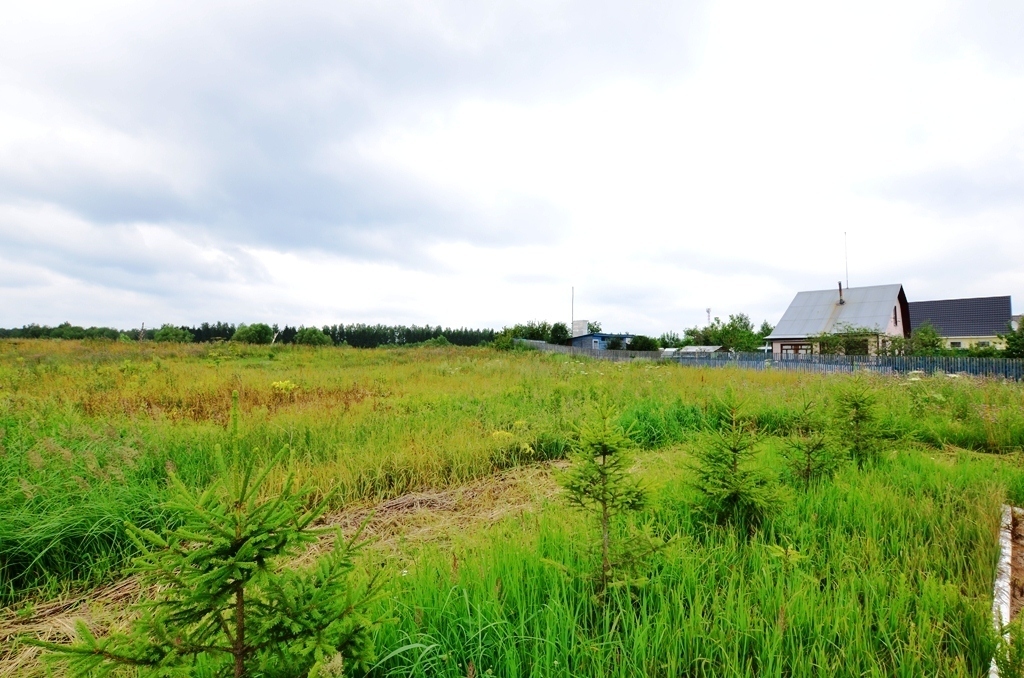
[{"x": 881, "y": 309}]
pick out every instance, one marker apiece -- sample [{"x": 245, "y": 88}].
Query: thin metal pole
[{"x": 846, "y": 259}]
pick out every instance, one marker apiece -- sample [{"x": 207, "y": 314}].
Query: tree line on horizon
[
  {"x": 358, "y": 335},
  {"x": 735, "y": 334}
]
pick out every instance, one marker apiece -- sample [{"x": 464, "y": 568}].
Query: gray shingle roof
[
  {"x": 819, "y": 311},
  {"x": 976, "y": 317}
]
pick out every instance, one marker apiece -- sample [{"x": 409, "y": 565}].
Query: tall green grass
[
  {"x": 895, "y": 580},
  {"x": 89, "y": 429}
]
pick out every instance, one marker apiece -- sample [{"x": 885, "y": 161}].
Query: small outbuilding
[
  {"x": 879, "y": 310},
  {"x": 599, "y": 340}
]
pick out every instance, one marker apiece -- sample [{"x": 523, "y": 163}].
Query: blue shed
[{"x": 599, "y": 340}]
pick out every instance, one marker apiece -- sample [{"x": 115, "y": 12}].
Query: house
[
  {"x": 599, "y": 340},
  {"x": 963, "y": 323},
  {"x": 882, "y": 310}
]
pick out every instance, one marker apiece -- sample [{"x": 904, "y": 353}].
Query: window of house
[
  {"x": 954, "y": 344},
  {"x": 983, "y": 343},
  {"x": 796, "y": 349}
]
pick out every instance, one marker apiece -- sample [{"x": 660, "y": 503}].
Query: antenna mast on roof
[{"x": 846, "y": 259}]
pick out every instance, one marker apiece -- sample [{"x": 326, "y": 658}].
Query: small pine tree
[
  {"x": 810, "y": 458},
  {"x": 733, "y": 488},
  {"x": 858, "y": 423},
  {"x": 600, "y": 480},
  {"x": 1009, "y": 652},
  {"x": 225, "y": 601}
]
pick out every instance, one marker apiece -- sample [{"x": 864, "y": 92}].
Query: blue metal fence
[{"x": 988, "y": 367}]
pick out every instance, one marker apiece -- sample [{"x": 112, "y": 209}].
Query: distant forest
[{"x": 358, "y": 335}]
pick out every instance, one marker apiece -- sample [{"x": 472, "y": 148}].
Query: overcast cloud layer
[{"x": 468, "y": 163}]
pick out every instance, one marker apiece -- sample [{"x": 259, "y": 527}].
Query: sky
[{"x": 487, "y": 163}]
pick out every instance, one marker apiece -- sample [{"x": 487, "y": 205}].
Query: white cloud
[{"x": 459, "y": 164}]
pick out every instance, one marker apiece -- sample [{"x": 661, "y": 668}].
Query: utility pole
[{"x": 709, "y": 316}]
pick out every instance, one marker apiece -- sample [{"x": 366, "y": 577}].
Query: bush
[
  {"x": 174, "y": 334},
  {"x": 312, "y": 336},
  {"x": 438, "y": 341},
  {"x": 257, "y": 333},
  {"x": 1015, "y": 342},
  {"x": 504, "y": 341},
  {"x": 559, "y": 334},
  {"x": 535, "y": 330},
  {"x": 614, "y": 344},
  {"x": 643, "y": 343}
]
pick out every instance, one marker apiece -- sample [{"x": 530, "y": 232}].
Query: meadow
[{"x": 882, "y": 570}]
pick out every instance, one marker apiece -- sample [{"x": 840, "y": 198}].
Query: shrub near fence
[{"x": 987, "y": 367}]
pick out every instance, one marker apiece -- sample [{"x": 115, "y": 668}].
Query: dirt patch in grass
[{"x": 395, "y": 525}]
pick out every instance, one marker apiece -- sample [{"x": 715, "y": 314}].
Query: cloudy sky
[{"x": 468, "y": 163}]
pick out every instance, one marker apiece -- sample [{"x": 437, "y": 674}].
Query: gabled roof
[
  {"x": 819, "y": 311},
  {"x": 699, "y": 349},
  {"x": 975, "y": 317}
]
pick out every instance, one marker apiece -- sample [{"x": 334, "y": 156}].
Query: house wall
[
  {"x": 777, "y": 345},
  {"x": 588, "y": 342},
  {"x": 895, "y": 327},
  {"x": 967, "y": 342},
  {"x": 874, "y": 342}
]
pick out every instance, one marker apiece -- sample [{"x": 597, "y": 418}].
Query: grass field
[{"x": 894, "y": 562}]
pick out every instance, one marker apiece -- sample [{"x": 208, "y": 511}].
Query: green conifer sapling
[
  {"x": 600, "y": 480},
  {"x": 225, "y": 601}
]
